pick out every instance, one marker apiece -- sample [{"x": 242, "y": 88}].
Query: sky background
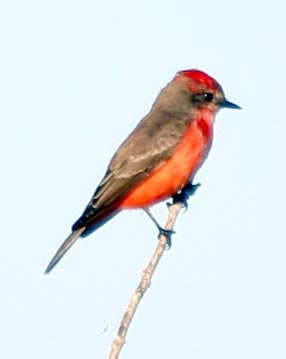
[{"x": 75, "y": 78}]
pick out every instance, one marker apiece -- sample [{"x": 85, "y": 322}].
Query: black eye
[
  {"x": 200, "y": 99},
  {"x": 208, "y": 96}
]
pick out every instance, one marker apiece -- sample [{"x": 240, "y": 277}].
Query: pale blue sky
[{"x": 75, "y": 78}]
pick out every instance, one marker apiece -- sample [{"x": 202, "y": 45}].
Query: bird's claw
[
  {"x": 185, "y": 193},
  {"x": 168, "y": 234}
]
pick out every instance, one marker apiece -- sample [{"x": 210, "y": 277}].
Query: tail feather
[{"x": 64, "y": 248}]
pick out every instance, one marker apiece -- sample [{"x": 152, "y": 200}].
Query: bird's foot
[
  {"x": 162, "y": 231},
  {"x": 183, "y": 196},
  {"x": 168, "y": 234}
]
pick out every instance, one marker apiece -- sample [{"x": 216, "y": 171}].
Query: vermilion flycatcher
[{"x": 160, "y": 157}]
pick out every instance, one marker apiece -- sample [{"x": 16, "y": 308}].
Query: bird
[{"x": 160, "y": 157}]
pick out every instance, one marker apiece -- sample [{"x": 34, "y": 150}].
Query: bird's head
[{"x": 203, "y": 91}]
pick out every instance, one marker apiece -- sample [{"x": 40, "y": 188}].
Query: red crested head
[
  {"x": 200, "y": 78},
  {"x": 205, "y": 91}
]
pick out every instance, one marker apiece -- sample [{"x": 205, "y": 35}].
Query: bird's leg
[
  {"x": 185, "y": 193},
  {"x": 166, "y": 232}
]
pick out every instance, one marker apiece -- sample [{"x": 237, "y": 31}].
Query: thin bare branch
[{"x": 145, "y": 282}]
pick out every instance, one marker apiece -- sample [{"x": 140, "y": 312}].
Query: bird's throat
[{"x": 205, "y": 124}]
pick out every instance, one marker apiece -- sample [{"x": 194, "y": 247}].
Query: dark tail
[
  {"x": 64, "y": 248},
  {"x": 89, "y": 222}
]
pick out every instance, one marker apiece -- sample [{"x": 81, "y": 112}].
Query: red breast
[{"x": 174, "y": 174}]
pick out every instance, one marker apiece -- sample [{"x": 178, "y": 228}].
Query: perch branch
[{"x": 145, "y": 282}]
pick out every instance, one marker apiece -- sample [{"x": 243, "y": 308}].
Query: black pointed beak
[{"x": 227, "y": 104}]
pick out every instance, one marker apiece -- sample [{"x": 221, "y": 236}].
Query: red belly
[{"x": 174, "y": 174}]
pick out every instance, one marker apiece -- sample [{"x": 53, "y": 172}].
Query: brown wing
[{"x": 150, "y": 144}]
